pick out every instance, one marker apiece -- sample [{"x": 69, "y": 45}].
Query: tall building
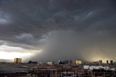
[
  {"x": 111, "y": 62},
  {"x": 107, "y": 62},
  {"x": 18, "y": 60}
]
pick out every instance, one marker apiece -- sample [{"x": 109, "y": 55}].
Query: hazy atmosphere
[{"x": 43, "y": 30}]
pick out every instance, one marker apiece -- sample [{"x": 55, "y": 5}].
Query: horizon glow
[{"x": 10, "y": 53}]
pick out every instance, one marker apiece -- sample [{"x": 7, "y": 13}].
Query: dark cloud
[{"x": 65, "y": 29}]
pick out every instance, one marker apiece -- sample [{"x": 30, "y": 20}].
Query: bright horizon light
[
  {"x": 10, "y": 52},
  {"x": 99, "y": 58}
]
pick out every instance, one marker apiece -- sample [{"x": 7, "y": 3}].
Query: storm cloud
[{"x": 62, "y": 29}]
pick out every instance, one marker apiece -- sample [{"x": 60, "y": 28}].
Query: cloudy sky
[{"x": 58, "y": 29}]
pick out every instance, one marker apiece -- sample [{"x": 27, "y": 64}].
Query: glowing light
[
  {"x": 97, "y": 54},
  {"x": 9, "y": 52},
  {"x": 97, "y": 58},
  {"x": 12, "y": 55}
]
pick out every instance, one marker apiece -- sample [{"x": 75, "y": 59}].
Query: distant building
[
  {"x": 111, "y": 62},
  {"x": 77, "y": 62},
  {"x": 107, "y": 62},
  {"x": 18, "y": 60},
  {"x": 50, "y": 63},
  {"x": 65, "y": 62},
  {"x": 32, "y": 62},
  {"x": 100, "y": 62}
]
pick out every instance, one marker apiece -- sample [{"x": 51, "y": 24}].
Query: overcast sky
[{"x": 61, "y": 29}]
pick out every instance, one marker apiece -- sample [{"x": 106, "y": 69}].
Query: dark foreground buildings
[{"x": 57, "y": 70}]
